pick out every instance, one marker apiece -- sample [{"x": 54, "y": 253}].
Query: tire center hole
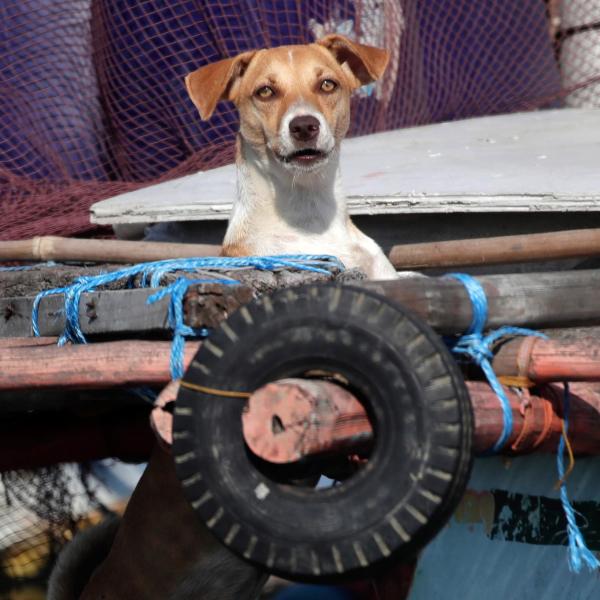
[{"x": 316, "y": 429}]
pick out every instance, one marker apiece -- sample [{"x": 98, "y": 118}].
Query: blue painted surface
[
  {"x": 313, "y": 592},
  {"x": 472, "y": 558}
]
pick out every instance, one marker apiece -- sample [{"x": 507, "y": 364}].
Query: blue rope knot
[
  {"x": 176, "y": 292},
  {"x": 475, "y": 346},
  {"x": 49, "y": 263},
  {"x": 478, "y": 348}
]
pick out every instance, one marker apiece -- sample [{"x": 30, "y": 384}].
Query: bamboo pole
[
  {"x": 531, "y": 247},
  {"x": 106, "y": 251},
  {"x": 482, "y": 251}
]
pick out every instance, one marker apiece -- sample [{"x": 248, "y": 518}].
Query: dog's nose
[{"x": 304, "y": 128}]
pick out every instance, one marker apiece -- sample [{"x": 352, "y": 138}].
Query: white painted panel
[{"x": 525, "y": 162}]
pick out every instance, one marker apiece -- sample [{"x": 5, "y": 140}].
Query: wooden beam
[
  {"x": 118, "y": 312},
  {"x": 559, "y": 299}
]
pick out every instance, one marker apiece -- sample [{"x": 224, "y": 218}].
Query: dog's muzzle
[{"x": 305, "y": 156}]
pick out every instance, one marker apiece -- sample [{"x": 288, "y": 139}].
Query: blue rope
[
  {"x": 176, "y": 291},
  {"x": 478, "y": 348},
  {"x": 151, "y": 274},
  {"x": 36, "y": 307},
  {"x": 147, "y": 394},
  {"x": 49, "y": 263},
  {"x": 579, "y": 553}
]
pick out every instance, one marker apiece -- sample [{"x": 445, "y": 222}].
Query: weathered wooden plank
[
  {"x": 561, "y": 299},
  {"x": 118, "y": 312},
  {"x": 126, "y": 311},
  {"x": 42, "y": 277}
]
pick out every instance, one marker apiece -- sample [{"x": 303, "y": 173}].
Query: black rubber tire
[{"x": 417, "y": 403}]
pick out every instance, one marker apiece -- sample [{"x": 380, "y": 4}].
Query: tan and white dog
[{"x": 294, "y": 105}]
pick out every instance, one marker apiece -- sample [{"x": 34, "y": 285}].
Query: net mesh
[
  {"x": 40, "y": 511},
  {"x": 92, "y": 101}
]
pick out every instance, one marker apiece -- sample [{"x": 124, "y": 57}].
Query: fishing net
[
  {"x": 92, "y": 101},
  {"x": 40, "y": 511}
]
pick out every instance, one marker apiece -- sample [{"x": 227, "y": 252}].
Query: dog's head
[{"x": 294, "y": 101}]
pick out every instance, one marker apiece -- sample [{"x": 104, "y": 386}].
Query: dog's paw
[
  {"x": 349, "y": 275},
  {"x": 408, "y": 274}
]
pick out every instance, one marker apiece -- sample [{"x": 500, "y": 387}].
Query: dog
[
  {"x": 158, "y": 550},
  {"x": 294, "y": 106}
]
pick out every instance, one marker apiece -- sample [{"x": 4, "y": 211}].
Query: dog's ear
[
  {"x": 366, "y": 63},
  {"x": 211, "y": 83}
]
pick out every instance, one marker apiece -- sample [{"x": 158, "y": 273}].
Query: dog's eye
[
  {"x": 264, "y": 92},
  {"x": 328, "y": 85}
]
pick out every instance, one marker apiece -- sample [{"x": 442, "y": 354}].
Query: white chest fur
[{"x": 279, "y": 212}]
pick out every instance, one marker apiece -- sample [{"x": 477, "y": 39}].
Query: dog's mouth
[{"x": 306, "y": 156}]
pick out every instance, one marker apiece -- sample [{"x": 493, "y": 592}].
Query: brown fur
[
  {"x": 334, "y": 57},
  {"x": 163, "y": 552}
]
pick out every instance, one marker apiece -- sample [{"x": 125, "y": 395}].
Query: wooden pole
[
  {"x": 557, "y": 299},
  {"x": 556, "y": 245},
  {"x": 274, "y": 409},
  {"x": 37, "y": 363},
  {"x": 343, "y": 422},
  {"x": 531, "y": 247},
  {"x": 101, "y": 365},
  {"x": 288, "y": 420},
  {"x": 105, "y": 251}
]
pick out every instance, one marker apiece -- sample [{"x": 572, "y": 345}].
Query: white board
[{"x": 524, "y": 162}]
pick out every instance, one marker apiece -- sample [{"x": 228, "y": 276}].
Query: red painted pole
[
  {"x": 288, "y": 420},
  {"x": 33, "y": 364},
  {"x": 541, "y": 360}
]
